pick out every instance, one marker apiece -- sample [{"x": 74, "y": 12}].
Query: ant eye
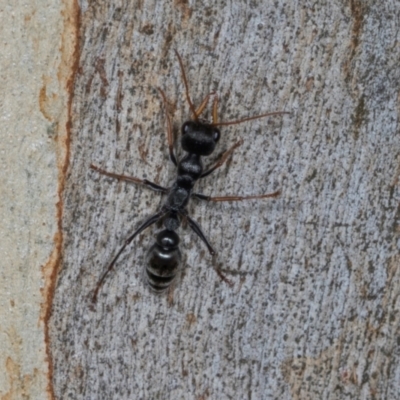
[
  {"x": 216, "y": 135},
  {"x": 185, "y": 127}
]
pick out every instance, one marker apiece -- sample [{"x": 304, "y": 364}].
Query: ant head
[{"x": 199, "y": 138}]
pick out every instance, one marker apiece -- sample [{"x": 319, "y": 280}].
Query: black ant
[{"x": 199, "y": 139}]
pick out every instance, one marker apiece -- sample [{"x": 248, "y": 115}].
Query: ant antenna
[
  {"x": 239, "y": 121},
  {"x": 192, "y": 109}
]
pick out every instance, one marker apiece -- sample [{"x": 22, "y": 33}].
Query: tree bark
[
  {"x": 38, "y": 41},
  {"x": 314, "y": 311}
]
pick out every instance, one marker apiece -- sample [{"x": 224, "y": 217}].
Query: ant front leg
[
  {"x": 203, "y": 105},
  {"x": 149, "y": 184},
  {"x": 215, "y": 110},
  {"x": 236, "y": 198},
  {"x": 223, "y": 159},
  {"x": 228, "y": 152},
  {"x": 170, "y": 134}
]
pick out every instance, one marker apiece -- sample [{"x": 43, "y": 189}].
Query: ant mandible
[{"x": 199, "y": 139}]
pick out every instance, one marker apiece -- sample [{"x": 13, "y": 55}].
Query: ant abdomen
[{"x": 163, "y": 261}]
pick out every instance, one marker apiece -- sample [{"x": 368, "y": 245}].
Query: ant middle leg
[{"x": 149, "y": 184}]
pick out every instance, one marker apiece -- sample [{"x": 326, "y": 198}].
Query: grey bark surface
[{"x": 314, "y": 312}]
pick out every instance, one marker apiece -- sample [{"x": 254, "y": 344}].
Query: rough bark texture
[
  {"x": 314, "y": 312},
  {"x": 37, "y": 46}
]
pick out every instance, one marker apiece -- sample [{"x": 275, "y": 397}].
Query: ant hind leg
[
  {"x": 150, "y": 221},
  {"x": 197, "y": 230}
]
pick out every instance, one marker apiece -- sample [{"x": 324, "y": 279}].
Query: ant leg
[
  {"x": 223, "y": 158},
  {"x": 170, "y": 135},
  {"x": 235, "y": 198},
  {"x": 196, "y": 228},
  {"x": 203, "y": 104},
  {"x": 214, "y": 110},
  {"x": 223, "y": 277},
  {"x": 146, "y": 224},
  {"x": 170, "y": 297},
  {"x": 149, "y": 184},
  {"x": 239, "y": 121},
  {"x": 191, "y": 106}
]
